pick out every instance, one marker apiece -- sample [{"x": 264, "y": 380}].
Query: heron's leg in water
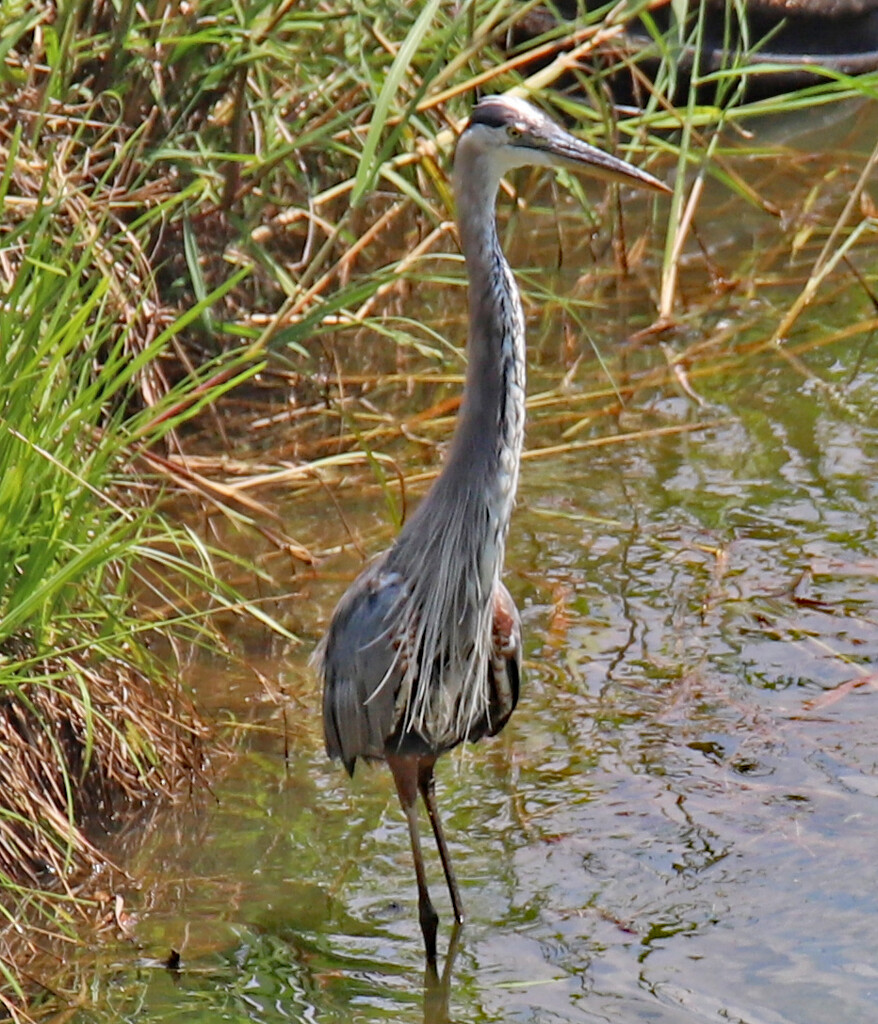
[
  {"x": 405, "y": 775},
  {"x": 427, "y": 786}
]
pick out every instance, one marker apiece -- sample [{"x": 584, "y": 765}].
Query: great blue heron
[{"x": 424, "y": 649}]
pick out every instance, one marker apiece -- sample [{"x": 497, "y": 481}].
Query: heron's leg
[
  {"x": 427, "y": 786},
  {"x": 405, "y": 775}
]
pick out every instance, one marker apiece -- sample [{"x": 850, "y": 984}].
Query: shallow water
[{"x": 680, "y": 822}]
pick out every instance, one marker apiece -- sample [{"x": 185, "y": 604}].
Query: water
[{"x": 680, "y": 822}]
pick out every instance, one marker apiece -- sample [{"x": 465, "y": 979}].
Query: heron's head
[{"x": 507, "y": 132}]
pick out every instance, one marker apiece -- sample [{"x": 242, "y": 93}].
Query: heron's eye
[{"x": 512, "y": 132}]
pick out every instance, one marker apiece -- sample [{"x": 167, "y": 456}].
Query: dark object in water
[{"x": 781, "y": 46}]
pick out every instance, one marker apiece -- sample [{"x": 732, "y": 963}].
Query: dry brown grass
[{"x": 84, "y": 741}]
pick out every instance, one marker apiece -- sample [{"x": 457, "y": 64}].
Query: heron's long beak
[{"x": 566, "y": 150}]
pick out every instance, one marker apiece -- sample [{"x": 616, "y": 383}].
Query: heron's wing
[
  {"x": 360, "y": 670},
  {"x": 504, "y": 667}
]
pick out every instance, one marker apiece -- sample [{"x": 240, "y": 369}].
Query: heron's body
[
  {"x": 423, "y": 681},
  {"x": 424, "y": 649}
]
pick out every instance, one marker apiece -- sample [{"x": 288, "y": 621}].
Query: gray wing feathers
[{"x": 360, "y": 671}]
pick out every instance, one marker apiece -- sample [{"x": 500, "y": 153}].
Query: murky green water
[{"x": 680, "y": 823}]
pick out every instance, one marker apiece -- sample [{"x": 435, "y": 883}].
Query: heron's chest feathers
[{"x": 444, "y": 628}]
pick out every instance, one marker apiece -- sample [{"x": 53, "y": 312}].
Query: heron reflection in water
[{"x": 424, "y": 649}]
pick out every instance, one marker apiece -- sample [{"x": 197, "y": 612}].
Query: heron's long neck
[
  {"x": 462, "y": 522},
  {"x": 486, "y": 449},
  {"x": 450, "y": 551}
]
